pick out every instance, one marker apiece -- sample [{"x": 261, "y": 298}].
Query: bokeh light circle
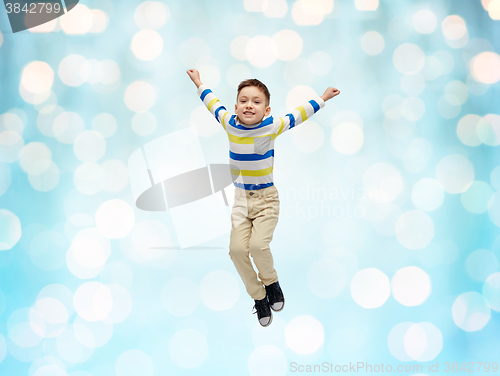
[
  {"x": 414, "y": 229},
  {"x": 140, "y": 96},
  {"x": 471, "y": 311},
  {"x": 10, "y": 229},
  {"x": 115, "y": 219},
  {"x": 411, "y": 286},
  {"x": 455, "y": 173},
  {"x": 89, "y": 146},
  {"x": 372, "y": 43},
  {"x": 408, "y": 58},
  {"x": 370, "y": 288},
  {"x": 304, "y": 334},
  {"x": 93, "y": 301}
]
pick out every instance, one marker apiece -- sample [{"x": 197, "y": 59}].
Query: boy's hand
[
  {"x": 330, "y": 93},
  {"x": 194, "y": 75}
]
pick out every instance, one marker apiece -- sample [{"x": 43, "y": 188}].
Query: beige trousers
[{"x": 254, "y": 218}]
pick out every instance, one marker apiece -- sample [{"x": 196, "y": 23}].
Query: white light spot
[
  {"x": 100, "y": 21},
  {"x": 480, "y": 264},
  {"x": 89, "y": 146},
  {"x": 289, "y": 44},
  {"x": 74, "y": 70},
  {"x": 35, "y": 158},
  {"x": 267, "y": 360},
  {"x": 147, "y": 45},
  {"x": 366, "y": 5},
  {"x": 116, "y": 173},
  {"x": 347, "y": 138},
  {"x": 427, "y": 194},
  {"x": 383, "y": 182},
  {"x": 262, "y": 51},
  {"x": 93, "y": 334},
  {"x": 219, "y": 290},
  {"x": 424, "y": 21},
  {"x": 414, "y": 229},
  {"x": 10, "y": 229},
  {"x": 372, "y": 43},
  {"x": 140, "y": 96},
  {"x": 320, "y": 63},
  {"x": 67, "y": 126},
  {"x": 489, "y": 130},
  {"x": 467, "y": 130},
  {"x": 115, "y": 218},
  {"x": 455, "y": 173},
  {"x": 274, "y": 8},
  {"x": 370, "y": 288},
  {"x": 304, "y": 334},
  {"x": 408, "y": 58},
  {"x": 37, "y": 77},
  {"x": 491, "y": 291},
  {"x": 411, "y": 286},
  {"x": 93, "y": 301},
  {"x": 89, "y": 178},
  {"x": 78, "y": 21},
  {"x": 151, "y": 15},
  {"x": 471, "y": 311}
]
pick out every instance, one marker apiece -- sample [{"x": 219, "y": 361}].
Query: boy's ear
[
  {"x": 268, "y": 110},
  {"x": 235, "y": 108}
]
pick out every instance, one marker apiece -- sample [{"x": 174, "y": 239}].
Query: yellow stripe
[
  {"x": 263, "y": 172},
  {"x": 281, "y": 127},
  {"x": 225, "y": 113},
  {"x": 212, "y": 102},
  {"x": 302, "y": 112},
  {"x": 240, "y": 140}
]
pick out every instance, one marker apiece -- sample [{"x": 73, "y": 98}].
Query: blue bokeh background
[{"x": 387, "y": 245}]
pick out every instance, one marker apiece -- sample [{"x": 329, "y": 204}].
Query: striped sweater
[{"x": 251, "y": 147}]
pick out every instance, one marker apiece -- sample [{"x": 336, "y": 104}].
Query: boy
[{"x": 255, "y": 212}]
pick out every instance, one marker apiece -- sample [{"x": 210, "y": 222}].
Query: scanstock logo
[
  {"x": 170, "y": 174},
  {"x": 19, "y": 15}
]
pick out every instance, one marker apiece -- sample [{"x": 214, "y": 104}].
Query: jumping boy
[{"x": 251, "y": 132}]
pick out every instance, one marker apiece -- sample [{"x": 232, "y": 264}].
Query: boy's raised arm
[
  {"x": 209, "y": 99},
  {"x": 194, "y": 75},
  {"x": 330, "y": 93},
  {"x": 304, "y": 112}
]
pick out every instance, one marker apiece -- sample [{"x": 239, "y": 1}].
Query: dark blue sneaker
[
  {"x": 275, "y": 296},
  {"x": 263, "y": 312}
]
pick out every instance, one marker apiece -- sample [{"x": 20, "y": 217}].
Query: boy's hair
[{"x": 256, "y": 83}]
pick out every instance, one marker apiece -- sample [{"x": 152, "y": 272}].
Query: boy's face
[{"x": 251, "y": 107}]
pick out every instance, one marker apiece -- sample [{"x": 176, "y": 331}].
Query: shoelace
[{"x": 261, "y": 305}]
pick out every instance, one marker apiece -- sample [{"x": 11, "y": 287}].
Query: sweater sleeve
[
  {"x": 213, "y": 105},
  {"x": 300, "y": 114}
]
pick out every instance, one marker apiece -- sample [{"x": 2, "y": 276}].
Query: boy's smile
[{"x": 251, "y": 107}]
